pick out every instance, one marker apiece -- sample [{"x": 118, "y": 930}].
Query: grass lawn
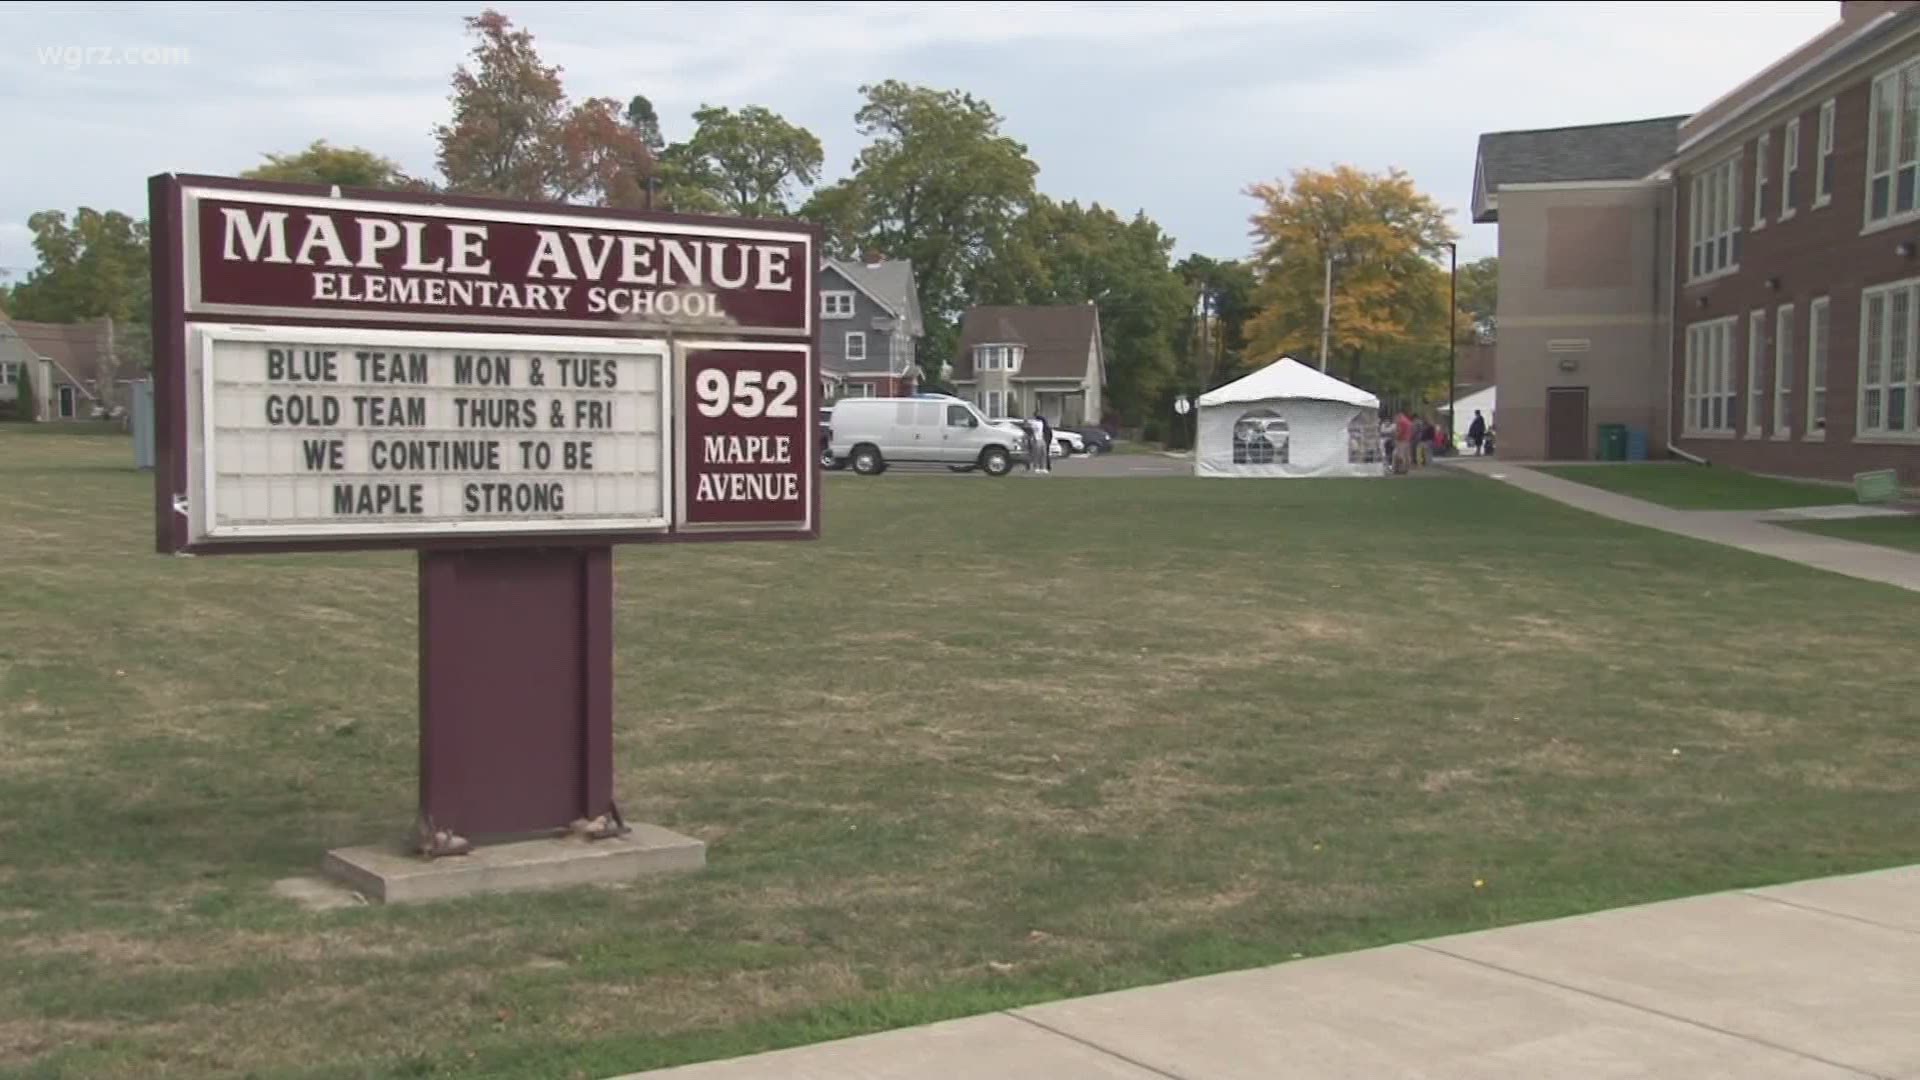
[
  {"x": 947, "y": 760},
  {"x": 1900, "y": 532},
  {"x": 1693, "y": 487}
]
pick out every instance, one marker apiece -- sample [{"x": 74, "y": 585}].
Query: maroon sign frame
[
  {"x": 516, "y": 630},
  {"x": 191, "y": 234}
]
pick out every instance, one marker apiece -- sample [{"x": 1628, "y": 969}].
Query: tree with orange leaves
[
  {"x": 515, "y": 134},
  {"x": 1388, "y": 243}
]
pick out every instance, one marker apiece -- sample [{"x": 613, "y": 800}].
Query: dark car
[{"x": 1098, "y": 440}]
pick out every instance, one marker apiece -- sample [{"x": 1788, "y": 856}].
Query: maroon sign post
[{"x": 510, "y": 390}]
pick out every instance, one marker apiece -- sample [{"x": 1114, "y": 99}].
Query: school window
[
  {"x": 1823, "y": 158},
  {"x": 1790, "y": 169},
  {"x": 836, "y": 305},
  {"x": 1756, "y": 370},
  {"x": 1887, "y": 362},
  {"x": 1762, "y": 150},
  {"x": 1709, "y": 390},
  {"x": 856, "y": 345},
  {"x": 1713, "y": 218},
  {"x": 1818, "y": 319},
  {"x": 1893, "y": 144},
  {"x": 1782, "y": 370}
]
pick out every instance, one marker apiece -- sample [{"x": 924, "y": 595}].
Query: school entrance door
[{"x": 1567, "y": 423}]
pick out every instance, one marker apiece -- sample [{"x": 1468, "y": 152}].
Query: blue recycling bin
[{"x": 1636, "y": 444}]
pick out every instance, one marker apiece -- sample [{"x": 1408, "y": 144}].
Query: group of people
[{"x": 1412, "y": 440}]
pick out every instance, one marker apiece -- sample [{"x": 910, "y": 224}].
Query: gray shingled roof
[
  {"x": 890, "y": 282},
  {"x": 1625, "y": 151},
  {"x": 1057, "y": 337}
]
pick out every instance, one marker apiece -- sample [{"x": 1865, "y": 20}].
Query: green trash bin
[{"x": 1613, "y": 442}]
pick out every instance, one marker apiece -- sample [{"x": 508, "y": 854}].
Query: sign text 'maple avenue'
[{"x": 377, "y": 258}]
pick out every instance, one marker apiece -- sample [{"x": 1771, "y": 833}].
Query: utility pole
[
  {"x": 1326, "y": 312},
  {"x": 1453, "y": 336}
]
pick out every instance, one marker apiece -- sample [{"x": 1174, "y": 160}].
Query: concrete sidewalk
[
  {"x": 1748, "y": 531},
  {"x": 1810, "y": 981}
]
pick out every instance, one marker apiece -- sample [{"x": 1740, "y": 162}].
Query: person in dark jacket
[{"x": 1477, "y": 432}]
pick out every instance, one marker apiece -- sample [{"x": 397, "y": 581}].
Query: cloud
[{"x": 1168, "y": 108}]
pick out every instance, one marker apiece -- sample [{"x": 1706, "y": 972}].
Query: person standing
[
  {"x": 1043, "y": 435},
  {"x": 1477, "y": 432},
  {"x": 1402, "y": 442}
]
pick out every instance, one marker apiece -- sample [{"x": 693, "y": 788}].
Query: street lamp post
[{"x": 1453, "y": 340}]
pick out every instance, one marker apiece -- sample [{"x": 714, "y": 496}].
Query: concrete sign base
[{"x": 394, "y": 876}]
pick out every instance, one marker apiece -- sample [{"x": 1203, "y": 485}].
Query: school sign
[{"x": 510, "y": 388}]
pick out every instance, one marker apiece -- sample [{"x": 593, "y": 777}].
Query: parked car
[
  {"x": 1097, "y": 440},
  {"x": 1067, "y": 442},
  {"x": 870, "y": 434}
]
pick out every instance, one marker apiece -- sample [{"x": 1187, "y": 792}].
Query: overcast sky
[{"x": 1171, "y": 109}]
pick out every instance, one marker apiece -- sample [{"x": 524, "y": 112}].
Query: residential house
[
  {"x": 1015, "y": 361},
  {"x": 65, "y": 364},
  {"x": 869, "y": 326},
  {"x": 1784, "y": 277}
]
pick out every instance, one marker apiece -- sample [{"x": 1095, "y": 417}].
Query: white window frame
[
  {"x": 1783, "y": 342},
  {"x": 1823, "y": 157},
  {"x": 836, "y": 305},
  {"x": 1819, "y": 333},
  {"x": 10, "y": 373},
  {"x": 1708, "y": 390},
  {"x": 1756, "y": 370},
  {"x": 996, "y": 406},
  {"x": 1885, "y": 404},
  {"x": 1762, "y": 149},
  {"x": 855, "y": 337},
  {"x": 1902, "y": 143},
  {"x": 857, "y": 389},
  {"x": 1789, "y": 169},
  {"x": 1713, "y": 220}
]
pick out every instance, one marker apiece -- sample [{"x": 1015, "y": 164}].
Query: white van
[{"x": 872, "y": 433}]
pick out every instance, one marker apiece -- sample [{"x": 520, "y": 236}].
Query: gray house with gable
[{"x": 869, "y": 326}]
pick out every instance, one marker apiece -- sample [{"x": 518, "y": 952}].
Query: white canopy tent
[
  {"x": 1288, "y": 419},
  {"x": 1482, "y": 401}
]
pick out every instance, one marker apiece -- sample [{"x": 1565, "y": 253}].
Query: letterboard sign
[
  {"x": 316, "y": 433},
  {"x": 353, "y": 369}
]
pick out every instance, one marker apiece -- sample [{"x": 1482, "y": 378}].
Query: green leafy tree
[
  {"x": 515, "y": 134},
  {"x": 1214, "y": 341},
  {"x": 749, "y": 163},
  {"x": 94, "y": 266},
  {"x": 938, "y": 183},
  {"x": 1479, "y": 294},
  {"x": 323, "y": 163},
  {"x": 1063, "y": 253},
  {"x": 642, "y": 118},
  {"x": 25, "y": 405}
]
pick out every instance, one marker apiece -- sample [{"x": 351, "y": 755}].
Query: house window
[
  {"x": 1893, "y": 143},
  {"x": 1709, "y": 392},
  {"x": 1713, "y": 220},
  {"x": 1817, "y": 323},
  {"x": 836, "y": 305},
  {"x": 1790, "y": 169},
  {"x": 856, "y": 345},
  {"x": 1823, "y": 162},
  {"x": 9, "y": 374},
  {"x": 995, "y": 409},
  {"x": 1782, "y": 369},
  {"x": 859, "y": 389},
  {"x": 1756, "y": 371},
  {"x": 997, "y": 357},
  {"x": 1887, "y": 361},
  {"x": 1762, "y": 150}
]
